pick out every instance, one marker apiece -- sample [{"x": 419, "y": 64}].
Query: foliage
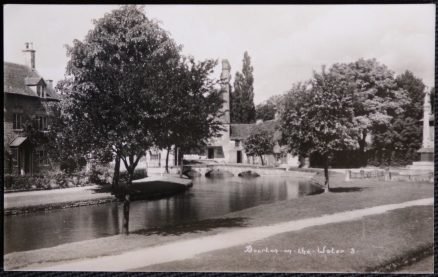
[
  {"x": 397, "y": 142},
  {"x": 318, "y": 117},
  {"x": 100, "y": 174},
  {"x": 242, "y": 109},
  {"x": 192, "y": 108},
  {"x": 112, "y": 84},
  {"x": 259, "y": 142},
  {"x": 51, "y": 180},
  {"x": 267, "y": 110},
  {"x": 376, "y": 97},
  {"x": 128, "y": 89}
]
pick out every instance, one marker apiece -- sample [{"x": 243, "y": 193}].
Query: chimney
[
  {"x": 49, "y": 84},
  {"x": 29, "y": 55}
]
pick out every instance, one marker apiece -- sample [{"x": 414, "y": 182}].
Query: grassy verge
[
  {"x": 345, "y": 196},
  {"x": 362, "y": 246}
]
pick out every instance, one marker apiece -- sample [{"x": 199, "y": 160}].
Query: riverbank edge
[
  {"x": 403, "y": 260},
  {"x": 61, "y": 205}
]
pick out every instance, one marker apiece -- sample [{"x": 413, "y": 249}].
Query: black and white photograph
[{"x": 219, "y": 138}]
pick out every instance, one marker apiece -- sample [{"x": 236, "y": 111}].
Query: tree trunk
[
  {"x": 167, "y": 159},
  {"x": 326, "y": 173},
  {"x": 180, "y": 156},
  {"x": 115, "y": 185},
  {"x": 362, "y": 144},
  {"x": 261, "y": 158},
  {"x": 127, "y": 203}
]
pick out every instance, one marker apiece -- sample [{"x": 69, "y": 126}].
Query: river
[{"x": 206, "y": 199}]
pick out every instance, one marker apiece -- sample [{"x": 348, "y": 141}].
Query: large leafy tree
[
  {"x": 260, "y": 141},
  {"x": 376, "y": 96},
  {"x": 267, "y": 109},
  {"x": 318, "y": 117},
  {"x": 399, "y": 141},
  {"x": 242, "y": 97},
  {"x": 113, "y": 83},
  {"x": 192, "y": 109}
]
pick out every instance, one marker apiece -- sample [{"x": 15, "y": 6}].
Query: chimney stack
[
  {"x": 29, "y": 55},
  {"x": 49, "y": 84}
]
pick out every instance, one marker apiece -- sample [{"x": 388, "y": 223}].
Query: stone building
[
  {"x": 26, "y": 96},
  {"x": 229, "y": 147}
]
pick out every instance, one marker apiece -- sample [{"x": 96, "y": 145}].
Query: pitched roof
[
  {"x": 240, "y": 131},
  {"x": 17, "y": 77},
  {"x": 32, "y": 80}
]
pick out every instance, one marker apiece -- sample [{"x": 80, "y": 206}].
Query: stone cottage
[
  {"x": 26, "y": 96},
  {"x": 229, "y": 148}
]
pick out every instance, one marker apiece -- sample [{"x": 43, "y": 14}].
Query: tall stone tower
[
  {"x": 225, "y": 88},
  {"x": 220, "y": 148}
]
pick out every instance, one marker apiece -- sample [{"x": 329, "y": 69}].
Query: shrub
[
  {"x": 139, "y": 173},
  {"x": 100, "y": 174},
  {"x": 50, "y": 180}
]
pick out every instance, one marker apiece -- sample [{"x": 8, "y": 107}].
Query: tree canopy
[
  {"x": 399, "y": 141},
  {"x": 268, "y": 109},
  {"x": 192, "y": 108},
  {"x": 127, "y": 88},
  {"x": 318, "y": 117},
  {"x": 259, "y": 142},
  {"x": 242, "y": 109},
  {"x": 376, "y": 96}
]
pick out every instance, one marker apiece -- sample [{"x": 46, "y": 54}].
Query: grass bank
[
  {"x": 345, "y": 196},
  {"x": 365, "y": 245}
]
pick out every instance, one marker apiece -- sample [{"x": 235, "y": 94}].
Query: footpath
[
  {"x": 33, "y": 201},
  {"x": 30, "y": 201},
  {"x": 361, "y": 226}
]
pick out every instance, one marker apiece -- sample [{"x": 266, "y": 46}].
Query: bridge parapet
[{"x": 238, "y": 168}]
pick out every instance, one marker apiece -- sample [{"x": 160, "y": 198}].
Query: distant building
[
  {"x": 26, "y": 95},
  {"x": 229, "y": 147}
]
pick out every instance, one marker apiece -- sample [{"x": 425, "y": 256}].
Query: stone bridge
[{"x": 238, "y": 168}]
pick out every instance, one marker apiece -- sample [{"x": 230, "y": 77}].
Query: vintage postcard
[{"x": 219, "y": 138}]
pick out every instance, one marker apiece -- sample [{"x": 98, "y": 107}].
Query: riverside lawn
[{"x": 412, "y": 225}]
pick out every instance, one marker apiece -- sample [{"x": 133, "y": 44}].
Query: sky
[{"x": 286, "y": 42}]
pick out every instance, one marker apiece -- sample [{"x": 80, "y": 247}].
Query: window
[
  {"x": 42, "y": 157},
  {"x": 41, "y": 91},
  {"x": 41, "y": 123},
  {"x": 16, "y": 124},
  {"x": 155, "y": 156}
]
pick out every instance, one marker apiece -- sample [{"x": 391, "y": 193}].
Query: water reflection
[{"x": 207, "y": 198}]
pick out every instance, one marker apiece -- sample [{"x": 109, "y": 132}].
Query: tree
[
  {"x": 376, "y": 97},
  {"x": 259, "y": 142},
  {"x": 398, "y": 141},
  {"x": 242, "y": 109},
  {"x": 268, "y": 109},
  {"x": 318, "y": 117},
  {"x": 192, "y": 108},
  {"x": 113, "y": 83}
]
